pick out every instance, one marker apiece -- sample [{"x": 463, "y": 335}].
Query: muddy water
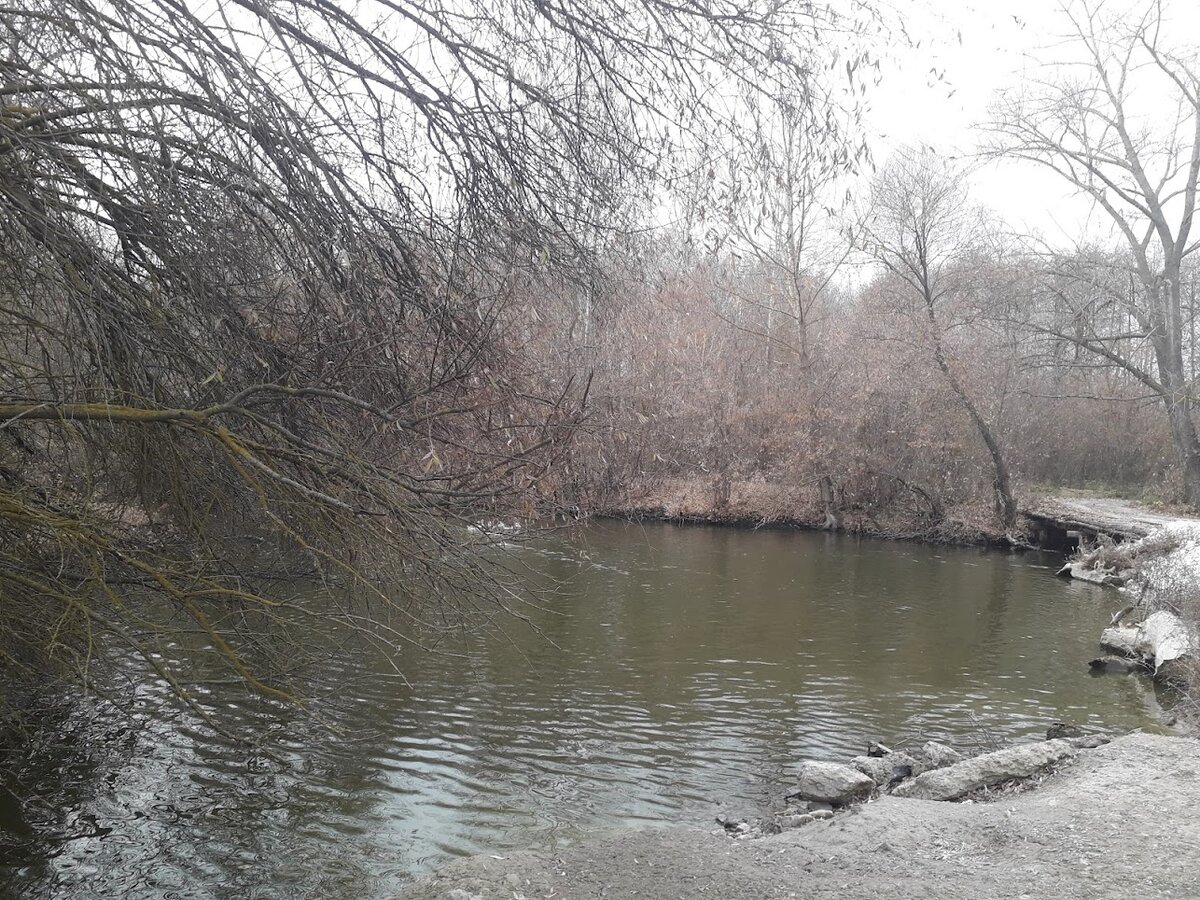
[{"x": 679, "y": 672}]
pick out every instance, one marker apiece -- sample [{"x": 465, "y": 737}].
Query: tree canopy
[{"x": 260, "y": 263}]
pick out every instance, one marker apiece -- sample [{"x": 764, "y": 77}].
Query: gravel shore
[{"x": 1119, "y": 821}]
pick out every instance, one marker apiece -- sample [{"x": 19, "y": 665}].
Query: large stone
[
  {"x": 1166, "y": 638},
  {"x": 832, "y": 783},
  {"x": 882, "y": 769},
  {"x": 937, "y": 756},
  {"x": 969, "y": 775},
  {"x": 1162, "y": 638}
]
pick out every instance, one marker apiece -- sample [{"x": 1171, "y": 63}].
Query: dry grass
[{"x": 1129, "y": 556}]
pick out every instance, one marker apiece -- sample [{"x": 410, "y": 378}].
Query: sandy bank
[{"x": 1119, "y": 821}]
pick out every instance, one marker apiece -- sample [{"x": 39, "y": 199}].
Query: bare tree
[
  {"x": 924, "y": 232},
  {"x": 258, "y": 262},
  {"x": 777, "y": 192},
  {"x": 1122, "y": 126}
]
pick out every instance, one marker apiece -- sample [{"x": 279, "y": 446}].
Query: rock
[
  {"x": 460, "y": 894},
  {"x": 877, "y": 749},
  {"x": 1063, "y": 730},
  {"x": 1161, "y": 639},
  {"x": 882, "y": 769},
  {"x": 1115, "y": 665},
  {"x": 937, "y": 756},
  {"x": 954, "y": 781},
  {"x": 832, "y": 783},
  {"x": 1120, "y": 639},
  {"x": 1084, "y": 572},
  {"x": 822, "y": 813},
  {"x": 1091, "y": 741},
  {"x": 1166, "y": 638},
  {"x": 817, "y": 806},
  {"x": 733, "y": 826},
  {"x": 795, "y": 821}
]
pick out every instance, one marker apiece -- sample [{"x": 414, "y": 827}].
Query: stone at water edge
[
  {"x": 1083, "y": 572},
  {"x": 832, "y": 783},
  {"x": 1121, "y": 639},
  {"x": 881, "y": 769},
  {"x": 1160, "y": 639},
  {"x": 937, "y": 756},
  {"x": 969, "y": 775},
  {"x": 1167, "y": 638},
  {"x": 1116, "y": 665}
]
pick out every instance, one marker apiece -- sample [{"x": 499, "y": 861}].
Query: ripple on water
[{"x": 682, "y": 672}]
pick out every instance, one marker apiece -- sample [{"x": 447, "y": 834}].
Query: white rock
[
  {"x": 1161, "y": 638},
  {"x": 832, "y": 783},
  {"x": 881, "y": 769},
  {"x": 936, "y": 756},
  {"x": 961, "y": 778}
]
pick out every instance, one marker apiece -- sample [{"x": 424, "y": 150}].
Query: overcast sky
[{"x": 997, "y": 39}]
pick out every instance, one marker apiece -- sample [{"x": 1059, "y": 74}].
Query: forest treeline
[
  {"x": 707, "y": 402},
  {"x": 888, "y": 356},
  {"x": 295, "y": 296}
]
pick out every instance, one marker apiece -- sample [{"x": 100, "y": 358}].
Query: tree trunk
[
  {"x": 833, "y": 520},
  {"x": 1005, "y": 505},
  {"x": 1168, "y": 352},
  {"x": 1183, "y": 433}
]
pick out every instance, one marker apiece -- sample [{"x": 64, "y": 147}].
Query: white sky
[{"x": 997, "y": 39}]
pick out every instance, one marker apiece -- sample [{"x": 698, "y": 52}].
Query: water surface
[{"x": 678, "y": 673}]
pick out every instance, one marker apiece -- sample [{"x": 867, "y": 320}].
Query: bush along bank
[{"x": 757, "y": 504}]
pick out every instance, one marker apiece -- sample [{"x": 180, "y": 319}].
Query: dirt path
[
  {"x": 1107, "y": 514},
  {"x": 1121, "y": 821}
]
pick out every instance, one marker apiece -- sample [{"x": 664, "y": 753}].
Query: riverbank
[
  {"x": 1122, "y": 820},
  {"x": 1159, "y": 626},
  {"x": 757, "y": 504}
]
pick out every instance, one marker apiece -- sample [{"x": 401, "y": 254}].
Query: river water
[{"x": 678, "y": 673}]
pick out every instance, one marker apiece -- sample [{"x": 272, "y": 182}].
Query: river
[{"x": 678, "y": 672}]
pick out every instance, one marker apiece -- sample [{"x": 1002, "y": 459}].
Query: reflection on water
[{"x": 679, "y": 673}]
